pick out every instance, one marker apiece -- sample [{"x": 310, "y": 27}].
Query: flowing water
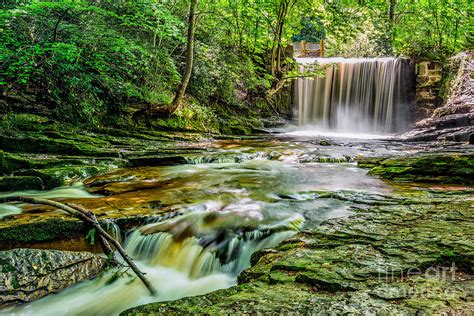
[
  {"x": 75, "y": 190},
  {"x": 356, "y": 95},
  {"x": 222, "y": 207}
]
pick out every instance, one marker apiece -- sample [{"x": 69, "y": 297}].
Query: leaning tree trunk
[{"x": 189, "y": 57}]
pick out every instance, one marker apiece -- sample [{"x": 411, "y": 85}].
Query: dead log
[{"x": 89, "y": 218}]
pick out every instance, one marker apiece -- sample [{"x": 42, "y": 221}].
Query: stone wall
[
  {"x": 428, "y": 82},
  {"x": 453, "y": 120}
]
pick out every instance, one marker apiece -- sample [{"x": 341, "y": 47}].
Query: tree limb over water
[{"x": 88, "y": 217}]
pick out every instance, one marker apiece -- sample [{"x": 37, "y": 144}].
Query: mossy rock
[
  {"x": 55, "y": 177},
  {"x": 20, "y": 183},
  {"x": 158, "y": 161},
  {"x": 43, "y": 144},
  {"x": 376, "y": 262},
  {"x": 28, "y": 274},
  {"x": 424, "y": 167},
  {"x": 44, "y": 231},
  {"x": 240, "y": 125},
  {"x": 10, "y": 163},
  {"x": 26, "y": 122}
]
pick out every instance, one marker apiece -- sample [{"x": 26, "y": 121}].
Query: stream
[{"x": 233, "y": 199}]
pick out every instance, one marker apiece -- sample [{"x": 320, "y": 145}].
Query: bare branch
[{"x": 89, "y": 218}]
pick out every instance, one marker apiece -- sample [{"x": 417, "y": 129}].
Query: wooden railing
[{"x": 308, "y": 49}]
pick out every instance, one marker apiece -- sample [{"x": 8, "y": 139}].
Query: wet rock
[
  {"x": 453, "y": 121},
  {"x": 51, "y": 229},
  {"x": 55, "y": 177},
  {"x": 157, "y": 161},
  {"x": 28, "y": 274},
  {"x": 274, "y": 122},
  {"x": 20, "y": 183},
  {"x": 386, "y": 259},
  {"x": 444, "y": 167},
  {"x": 10, "y": 163}
]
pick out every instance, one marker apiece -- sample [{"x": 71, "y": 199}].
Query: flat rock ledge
[
  {"x": 406, "y": 255},
  {"x": 29, "y": 274}
]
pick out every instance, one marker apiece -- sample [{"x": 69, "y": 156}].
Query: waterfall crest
[{"x": 356, "y": 95}]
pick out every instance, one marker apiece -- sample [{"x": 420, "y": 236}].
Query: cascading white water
[
  {"x": 204, "y": 244},
  {"x": 356, "y": 95},
  {"x": 112, "y": 229},
  {"x": 176, "y": 262},
  {"x": 197, "y": 260}
]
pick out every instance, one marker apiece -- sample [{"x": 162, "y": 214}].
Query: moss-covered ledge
[
  {"x": 440, "y": 167},
  {"x": 387, "y": 259}
]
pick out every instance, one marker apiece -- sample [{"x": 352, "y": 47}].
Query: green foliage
[
  {"x": 94, "y": 62},
  {"x": 88, "y": 61},
  {"x": 191, "y": 117},
  {"x": 425, "y": 29},
  {"x": 371, "y": 42},
  {"x": 312, "y": 30},
  {"x": 90, "y": 237},
  {"x": 434, "y": 29}
]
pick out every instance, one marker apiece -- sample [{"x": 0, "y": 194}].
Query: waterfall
[
  {"x": 177, "y": 262},
  {"x": 356, "y": 95},
  {"x": 197, "y": 257},
  {"x": 112, "y": 229}
]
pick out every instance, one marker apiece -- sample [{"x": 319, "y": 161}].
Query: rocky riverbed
[
  {"x": 402, "y": 245},
  {"x": 402, "y": 254}
]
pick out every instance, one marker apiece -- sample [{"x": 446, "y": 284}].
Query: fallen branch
[{"x": 89, "y": 218}]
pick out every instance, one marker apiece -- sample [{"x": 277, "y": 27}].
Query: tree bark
[
  {"x": 89, "y": 218},
  {"x": 189, "y": 57},
  {"x": 281, "y": 15},
  {"x": 391, "y": 21},
  {"x": 284, "y": 8}
]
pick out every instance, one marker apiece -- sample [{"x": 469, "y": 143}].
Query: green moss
[
  {"x": 38, "y": 143},
  {"x": 10, "y": 163},
  {"x": 48, "y": 230},
  {"x": 15, "y": 282},
  {"x": 54, "y": 177},
  {"x": 240, "y": 125},
  {"x": 425, "y": 167},
  {"x": 192, "y": 116},
  {"x": 6, "y": 266},
  {"x": 20, "y": 183},
  {"x": 26, "y": 122}
]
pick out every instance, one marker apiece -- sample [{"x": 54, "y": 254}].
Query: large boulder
[{"x": 28, "y": 274}]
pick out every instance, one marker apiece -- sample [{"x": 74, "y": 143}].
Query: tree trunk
[
  {"x": 283, "y": 9},
  {"x": 391, "y": 11},
  {"x": 275, "y": 62},
  {"x": 391, "y": 22},
  {"x": 189, "y": 57}
]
